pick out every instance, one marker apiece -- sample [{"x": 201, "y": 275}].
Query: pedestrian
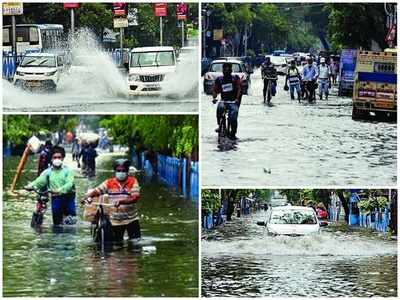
[
  {"x": 84, "y": 155},
  {"x": 123, "y": 192},
  {"x": 44, "y": 157},
  {"x": 76, "y": 149},
  {"x": 294, "y": 79},
  {"x": 324, "y": 73},
  {"x": 91, "y": 160}
]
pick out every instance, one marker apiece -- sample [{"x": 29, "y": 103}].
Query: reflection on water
[
  {"x": 67, "y": 263},
  {"x": 240, "y": 260}
]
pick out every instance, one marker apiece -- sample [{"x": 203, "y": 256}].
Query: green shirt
[{"x": 59, "y": 180}]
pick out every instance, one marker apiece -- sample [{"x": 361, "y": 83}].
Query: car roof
[
  {"x": 233, "y": 61},
  {"x": 306, "y": 208},
  {"x": 152, "y": 49}
]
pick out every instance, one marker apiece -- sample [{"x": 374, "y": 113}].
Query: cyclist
[
  {"x": 268, "y": 73},
  {"x": 123, "y": 191},
  {"x": 309, "y": 76},
  {"x": 229, "y": 86},
  {"x": 294, "y": 78},
  {"x": 59, "y": 180},
  {"x": 324, "y": 73}
]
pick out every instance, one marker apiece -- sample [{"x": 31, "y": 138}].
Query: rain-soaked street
[
  {"x": 298, "y": 144},
  {"x": 66, "y": 262},
  {"x": 239, "y": 259}
]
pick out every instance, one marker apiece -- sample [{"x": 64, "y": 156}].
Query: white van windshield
[{"x": 152, "y": 59}]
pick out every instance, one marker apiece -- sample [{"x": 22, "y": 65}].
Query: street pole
[
  {"x": 121, "y": 44},
  {"x": 245, "y": 40},
  {"x": 183, "y": 33},
  {"x": 72, "y": 21},
  {"x": 14, "y": 38},
  {"x": 161, "y": 31}
]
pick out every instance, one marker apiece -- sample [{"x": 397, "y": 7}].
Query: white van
[
  {"x": 39, "y": 70},
  {"x": 148, "y": 67}
]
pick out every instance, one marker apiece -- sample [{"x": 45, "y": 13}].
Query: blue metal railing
[{"x": 172, "y": 172}]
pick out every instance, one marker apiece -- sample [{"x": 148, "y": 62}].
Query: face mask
[
  {"x": 121, "y": 176},
  {"x": 57, "y": 162}
]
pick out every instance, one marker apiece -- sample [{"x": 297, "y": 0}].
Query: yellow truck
[{"x": 375, "y": 85}]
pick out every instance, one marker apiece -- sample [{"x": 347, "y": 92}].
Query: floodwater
[
  {"x": 298, "y": 144},
  {"x": 240, "y": 260},
  {"x": 66, "y": 262},
  {"x": 94, "y": 83}
]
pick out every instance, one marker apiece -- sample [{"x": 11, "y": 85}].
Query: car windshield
[
  {"x": 293, "y": 217},
  {"x": 39, "y": 61},
  {"x": 152, "y": 59},
  {"x": 217, "y": 67}
]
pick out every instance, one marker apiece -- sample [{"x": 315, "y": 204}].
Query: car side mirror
[
  {"x": 323, "y": 223},
  {"x": 260, "y": 223}
]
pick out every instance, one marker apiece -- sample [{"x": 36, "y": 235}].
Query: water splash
[
  {"x": 184, "y": 81},
  {"x": 323, "y": 244}
]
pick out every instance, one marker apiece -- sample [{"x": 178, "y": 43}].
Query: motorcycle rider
[
  {"x": 324, "y": 74},
  {"x": 309, "y": 76},
  {"x": 268, "y": 73},
  {"x": 294, "y": 78},
  {"x": 229, "y": 86}
]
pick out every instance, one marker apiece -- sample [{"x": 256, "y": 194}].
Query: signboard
[
  {"x": 71, "y": 5},
  {"x": 160, "y": 9},
  {"x": 181, "y": 11},
  {"x": 13, "y": 8},
  {"x": 133, "y": 17},
  {"x": 119, "y": 9},
  {"x": 120, "y": 22},
  {"x": 218, "y": 34}
]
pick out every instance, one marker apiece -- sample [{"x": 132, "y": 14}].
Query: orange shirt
[{"x": 112, "y": 186}]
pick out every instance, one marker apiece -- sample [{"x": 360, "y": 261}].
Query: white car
[
  {"x": 292, "y": 220},
  {"x": 280, "y": 64},
  {"x": 215, "y": 71},
  {"x": 39, "y": 70},
  {"x": 148, "y": 66}
]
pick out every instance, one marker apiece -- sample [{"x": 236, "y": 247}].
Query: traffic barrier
[{"x": 194, "y": 180}]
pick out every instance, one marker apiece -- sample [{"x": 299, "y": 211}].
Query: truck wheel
[{"x": 358, "y": 114}]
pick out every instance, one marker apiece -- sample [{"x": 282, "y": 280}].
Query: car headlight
[
  {"x": 20, "y": 73},
  {"x": 134, "y": 77},
  {"x": 50, "y": 73}
]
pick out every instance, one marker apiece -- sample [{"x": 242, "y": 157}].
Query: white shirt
[{"x": 323, "y": 72}]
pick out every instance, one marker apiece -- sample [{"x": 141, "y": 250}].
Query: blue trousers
[{"x": 62, "y": 206}]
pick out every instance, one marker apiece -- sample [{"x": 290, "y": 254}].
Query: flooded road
[
  {"x": 66, "y": 262},
  {"x": 298, "y": 144},
  {"x": 238, "y": 259}
]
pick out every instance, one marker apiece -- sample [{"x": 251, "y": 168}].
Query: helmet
[{"x": 122, "y": 162}]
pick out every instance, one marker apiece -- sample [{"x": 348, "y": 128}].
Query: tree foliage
[
  {"x": 17, "y": 129},
  {"x": 173, "y": 134}
]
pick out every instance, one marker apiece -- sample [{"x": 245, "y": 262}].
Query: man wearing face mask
[
  {"x": 123, "y": 191},
  {"x": 59, "y": 180},
  {"x": 310, "y": 74}
]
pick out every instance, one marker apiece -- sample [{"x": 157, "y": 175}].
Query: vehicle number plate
[
  {"x": 33, "y": 83},
  {"x": 384, "y": 104}
]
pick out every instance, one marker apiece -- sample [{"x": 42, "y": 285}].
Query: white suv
[
  {"x": 39, "y": 70},
  {"x": 148, "y": 67}
]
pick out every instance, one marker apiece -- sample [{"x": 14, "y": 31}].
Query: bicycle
[
  {"x": 224, "y": 128},
  {"x": 41, "y": 207},
  {"x": 101, "y": 228},
  {"x": 268, "y": 91}
]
